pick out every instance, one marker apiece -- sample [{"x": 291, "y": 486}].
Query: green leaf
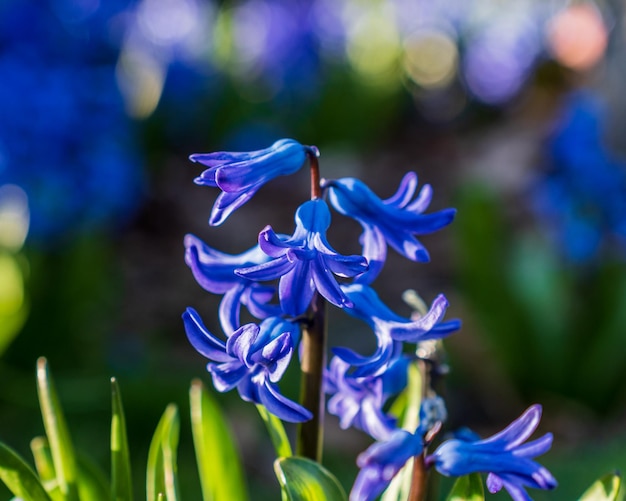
[
  {"x": 45, "y": 467},
  {"x": 92, "y": 482},
  {"x": 467, "y": 488},
  {"x": 277, "y": 433},
  {"x": 219, "y": 466},
  {"x": 121, "y": 480},
  {"x": 605, "y": 488},
  {"x": 304, "y": 480},
  {"x": 400, "y": 486},
  {"x": 19, "y": 477},
  {"x": 58, "y": 435},
  {"x": 161, "y": 477}
]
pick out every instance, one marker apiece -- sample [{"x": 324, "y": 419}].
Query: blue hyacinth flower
[
  {"x": 253, "y": 360},
  {"x": 305, "y": 262},
  {"x": 394, "y": 221},
  {"x": 358, "y": 401},
  {"x": 504, "y": 456},
  {"x": 215, "y": 272},
  {"x": 240, "y": 174},
  {"x": 382, "y": 461},
  {"x": 390, "y": 328}
]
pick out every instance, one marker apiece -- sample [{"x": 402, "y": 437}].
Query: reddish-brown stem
[
  {"x": 420, "y": 473},
  {"x": 316, "y": 189},
  {"x": 418, "y": 481}
]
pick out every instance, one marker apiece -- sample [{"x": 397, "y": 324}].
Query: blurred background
[{"x": 513, "y": 111}]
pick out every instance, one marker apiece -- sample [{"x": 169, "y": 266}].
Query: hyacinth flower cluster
[{"x": 286, "y": 282}]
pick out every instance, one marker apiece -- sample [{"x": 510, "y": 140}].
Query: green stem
[{"x": 310, "y": 437}]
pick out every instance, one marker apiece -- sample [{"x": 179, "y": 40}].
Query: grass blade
[
  {"x": 219, "y": 466},
  {"x": 92, "y": 482},
  {"x": 161, "y": 476},
  {"x": 20, "y": 478},
  {"x": 467, "y": 488},
  {"x": 121, "y": 479},
  {"x": 61, "y": 447},
  {"x": 304, "y": 480},
  {"x": 277, "y": 433},
  {"x": 45, "y": 467},
  {"x": 605, "y": 488}
]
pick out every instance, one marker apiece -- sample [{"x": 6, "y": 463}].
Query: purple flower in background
[
  {"x": 305, "y": 262},
  {"x": 382, "y": 461},
  {"x": 240, "y": 175},
  {"x": 253, "y": 359},
  {"x": 390, "y": 328},
  {"x": 215, "y": 272},
  {"x": 504, "y": 456},
  {"x": 395, "y": 220},
  {"x": 358, "y": 401}
]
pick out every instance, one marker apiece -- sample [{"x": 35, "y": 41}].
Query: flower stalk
[
  {"x": 314, "y": 333},
  {"x": 310, "y": 434},
  {"x": 420, "y": 474}
]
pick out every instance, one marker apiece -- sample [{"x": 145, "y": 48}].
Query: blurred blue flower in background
[
  {"x": 64, "y": 136},
  {"x": 582, "y": 196}
]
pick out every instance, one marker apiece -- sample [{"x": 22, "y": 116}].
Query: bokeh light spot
[
  {"x": 577, "y": 36},
  {"x": 14, "y": 217},
  {"x": 430, "y": 58},
  {"x": 141, "y": 80}
]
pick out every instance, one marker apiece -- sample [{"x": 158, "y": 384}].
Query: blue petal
[
  {"x": 420, "y": 329},
  {"x": 227, "y": 375},
  {"x": 296, "y": 289},
  {"x": 282, "y": 407},
  {"x": 534, "y": 448},
  {"x": 272, "y": 244},
  {"x": 518, "y": 431},
  {"x": 277, "y": 355},
  {"x": 494, "y": 483},
  {"x": 229, "y": 308},
  {"x": 313, "y": 216},
  {"x": 268, "y": 271},
  {"x": 257, "y": 299},
  {"x": 374, "y": 250},
  {"x": 240, "y": 344},
  {"x": 327, "y": 285},
  {"x": 405, "y": 192},
  {"x": 284, "y": 157},
  {"x": 227, "y": 203},
  {"x": 202, "y": 340}
]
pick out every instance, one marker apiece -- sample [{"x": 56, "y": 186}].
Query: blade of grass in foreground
[
  {"x": 121, "y": 480},
  {"x": 19, "y": 477},
  {"x": 277, "y": 433},
  {"x": 45, "y": 467},
  {"x": 56, "y": 430},
  {"x": 304, "y": 480},
  {"x": 161, "y": 477},
  {"x": 219, "y": 466}
]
